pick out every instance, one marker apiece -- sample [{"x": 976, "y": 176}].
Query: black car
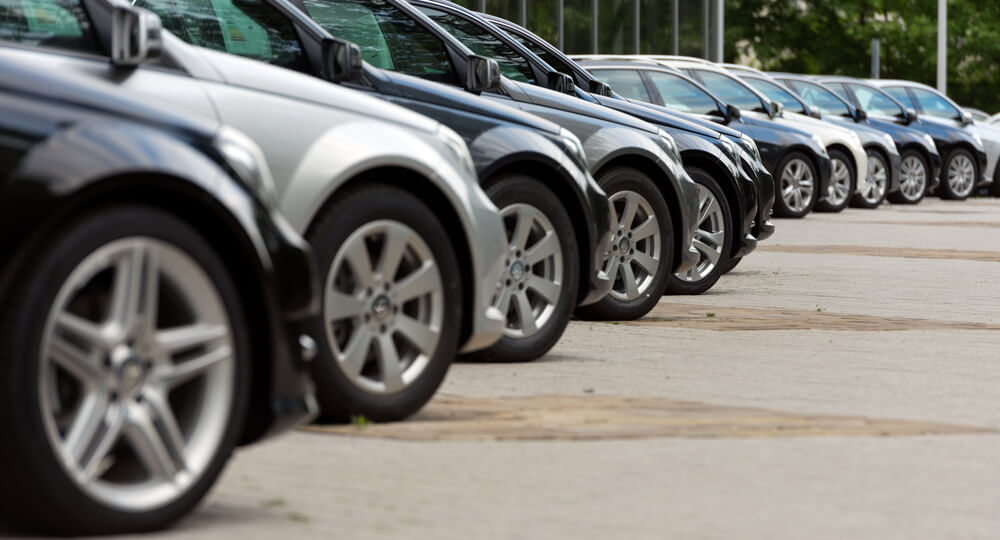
[
  {"x": 919, "y": 158},
  {"x": 727, "y": 192},
  {"x": 784, "y": 149},
  {"x": 654, "y": 202},
  {"x": 152, "y": 306},
  {"x": 950, "y": 141},
  {"x": 590, "y": 86}
]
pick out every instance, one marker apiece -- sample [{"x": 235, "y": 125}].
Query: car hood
[
  {"x": 658, "y": 115},
  {"x": 556, "y": 100},
  {"x": 447, "y": 96},
  {"x": 257, "y": 75}
]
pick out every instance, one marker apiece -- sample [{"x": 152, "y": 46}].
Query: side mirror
[
  {"x": 909, "y": 116},
  {"x": 860, "y": 115},
  {"x": 560, "y": 82},
  {"x": 600, "y": 88},
  {"x": 774, "y": 109},
  {"x": 966, "y": 119},
  {"x": 341, "y": 61},
  {"x": 815, "y": 112},
  {"x": 732, "y": 113},
  {"x": 135, "y": 36},
  {"x": 483, "y": 74}
]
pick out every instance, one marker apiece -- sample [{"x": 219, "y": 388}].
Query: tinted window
[
  {"x": 777, "y": 93},
  {"x": 47, "y": 23},
  {"x": 820, "y": 97},
  {"x": 254, "y": 29},
  {"x": 624, "y": 81},
  {"x": 557, "y": 63},
  {"x": 512, "y": 64},
  {"x": 682, "y": 95},
  {"x": 901, "y": 96},
  {"x": 388, "y": 38},
  {"x": 874, "y": 101},
  {"x": 730, "y": 90},
  {"x": 935, "y": 105}
]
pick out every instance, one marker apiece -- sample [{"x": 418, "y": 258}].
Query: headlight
[
  {"x": 459, "y": 150},
  {"x": 668, "y": 143},
  {"x": 574, "y": 148},
  {"x": 889, "y": 141},
  {"x": 978, "y": 139},
  {"x": 247, "y": 160},
  {"x": 819, "y": 144},
  {"x": 928, "y": 140}
]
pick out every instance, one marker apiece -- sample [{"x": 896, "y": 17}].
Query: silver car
[{"x": 409, "y": 247}]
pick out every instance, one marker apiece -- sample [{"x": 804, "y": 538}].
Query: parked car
[
  {"x": 727, "y": 193},
  {"x": 155, "y": 308},
  {"x": 919, "y": 158},
  {"x": 934, "y": 106},
  {"x": 883, "y": 157},
  {"x": 956, "y": 146},
  {"x": 589, "y": 86},
  {"x": 409, "y": 248},
  {"x": 637, "y": 164},
  {"x": 796, "y": 158}
]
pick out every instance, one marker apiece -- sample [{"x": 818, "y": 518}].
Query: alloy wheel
[
  {"x": 797, "y": 185},
  {"x": 840, "y": 183},
  {"x": 878, "y": 180},
  {"x": 137, "y": 374},
  {"x": 709, "y": 238},
  {"x": 961, "y": 175},
  {"x": 383, "y": 306},
  {"x": 913, "y": 178},
  {"x": 635, "y": 246}
]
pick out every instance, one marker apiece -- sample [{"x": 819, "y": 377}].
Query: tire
[
  {"x": 995, "y": 186},
  {"x": 795, "y": 197},
  {"x": 715, "y": 217},
  {"x": 914, "y": 178},
  {"x": 733, "y": 263},
  {"x": 53, "y": 332},
  {"x": 877, "y": 183},
  {"x": 522, "y": 199},
  {"x": 843, "y": 182},
  {"x": 958, "y": 176},
  {"x": 625, "y": 184},
  {"x": 371, "y": 318}
]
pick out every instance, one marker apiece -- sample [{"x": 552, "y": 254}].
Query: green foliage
[{"x": 819, "y": 36}]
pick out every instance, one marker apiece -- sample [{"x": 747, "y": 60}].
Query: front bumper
[
  {"x": 895, "y": 164},
  {"x": 487, "y": 246},
  {"x": 825, "y": 173},
  {"x": 751, "y": 201},
  {"x": 763, "y": 228},
  {"x": 689, "y": 219}
]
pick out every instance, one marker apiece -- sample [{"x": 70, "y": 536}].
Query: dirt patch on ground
[
  {"x": 872, "y": 251},
  {"x": 705, "y": 317},
  {"x": 613, "y": 417}
]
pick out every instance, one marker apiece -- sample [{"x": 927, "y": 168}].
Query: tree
[{"x": 819, "y": 36}]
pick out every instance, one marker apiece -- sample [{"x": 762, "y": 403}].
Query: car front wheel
[
  {"x": 713, "y": 239},
  {"x": 877, "y": 184},
  {"x": 797, "y": 186},
  {"x": 843, "y": 180},
  {"x": 958, "y": 178},
  {"x": 125, "y": 378},
  {"x": 914, "y": 177}
]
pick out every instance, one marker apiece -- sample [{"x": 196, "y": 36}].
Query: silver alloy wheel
[
  {"x": 532, "y": 282},
  {"x": 709, "y": 237},
  {"x": 797, "y": 184},
  {"x": 383, "y": 306},
  {"x": 877, "y": 182},
  {"x": 635, "y": 254},
  {"x": 137, "y": 374},
  {"x": 961, "y": 175},
  {"x": 840, "y": 183},
  {"x": 913, "y": 178}
]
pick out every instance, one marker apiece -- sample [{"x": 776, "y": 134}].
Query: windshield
[
  {"x": 626, "y": 82},
  {"x": 826, "y": 101},
  {"x": 777, "y": 93},
  {"x": 932, "y": 104},
  {"x": 512, "y": 64},
  {"x": 388, "y": 38},
  {"x": 730, "y": 90},
  {"x": 682, "y": 95},
  {"x": 551, "y": 59},
  {"x": 875, "y": 102}
]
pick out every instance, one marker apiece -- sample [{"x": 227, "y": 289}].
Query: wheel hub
[
  {"x": 381, "y": 307},
  {"x": 517, "y": 271},
  {"x": 624, "y": 245}
]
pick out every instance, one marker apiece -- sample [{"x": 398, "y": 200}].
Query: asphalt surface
[{"x": 842, "y": 382}]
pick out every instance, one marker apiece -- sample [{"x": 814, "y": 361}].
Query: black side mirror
[
  {"x": 815, "y": 112},
  {"x": 860, "y": 115},
  {"x": 732, "y": 113},
  {"x": 341, "y": 61},
  {"x": 774, "y": 109},
  {"x": 600, "y": 88},
  {"x": 483, "y": 74},
  {"x": 909, "y": 116},
  {"x": 560, "y": 82},
  {"x": 135, "y": 36}
]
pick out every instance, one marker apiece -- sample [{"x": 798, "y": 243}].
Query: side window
[
  {"x": 682, "y": 95},
  {"x": 840, "y": 90},
  {"x": 624, "y": 81},
  {"x": 777, "y": 93},
  {"x": 254, "y": 29},
  {"x": 388, "y": 38},
  {"x": 825, "y": 100},
  {"x": 62, "y": 24},
  {"x": 874, "y": 102},
  {"x": 512, "y": 64},
  {"x": 901, "y": 96},
  {"x": 935, "y": 105},
  {"x": 551, "y": 59},
  {"x": 730, "y": 91}
]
